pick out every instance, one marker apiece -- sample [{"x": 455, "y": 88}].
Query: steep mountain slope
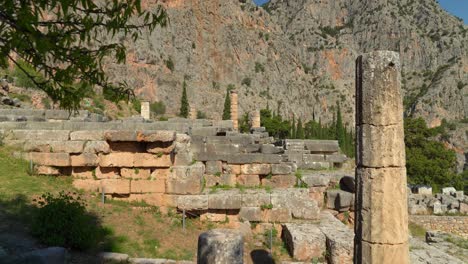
[{"x": 298, "y": 56}]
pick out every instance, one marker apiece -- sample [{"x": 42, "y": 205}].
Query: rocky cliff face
[{"x": 298, "y": 56}]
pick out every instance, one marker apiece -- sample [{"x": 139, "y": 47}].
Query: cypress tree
[
  {"x": 300, "y": 130},
  {"x": 227, "y": 106},
  {"x": 339, "y": 130},
  {"x": 293, "y": 128},
  {"x": 184, "y": 104}
]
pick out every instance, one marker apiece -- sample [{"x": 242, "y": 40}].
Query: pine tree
[
  {"x": 227, "y": 106},
  {"x": 293, "y": 128},
  {"x": 300, "y": 130},
  {"x": 339, "y": 130},
  {"x": 184, "y": 104}
]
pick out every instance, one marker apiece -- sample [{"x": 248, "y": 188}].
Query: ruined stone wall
[{"x": 451, "y": 224}]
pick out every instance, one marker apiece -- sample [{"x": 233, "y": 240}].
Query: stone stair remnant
[{"x": 381, "y": 196}]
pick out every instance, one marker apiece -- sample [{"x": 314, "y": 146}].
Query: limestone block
[
  {"x": 248, "y": 180},
  {"x": 232, "y": 169},
  {"x": 214, "y": 216},
  {"x": 160, "y": 147},
  {"x": 316, "y": 180},
  {"x": 127, "y": 146},
  {"x": 250, "y": 158},
  {"x": 252, "y": 214},
  {"x": 448, "y": 190},
  {"x": 304, "y": 241},
  {"x": 115, "y": 186},
  {"x": 147, "y": 186},
  {"x": 92, "y": 135},
  {"x": 156, "y": 136},
  {"x": 185, "y": 179},
  {"x": 84, "y": 172},
  {"x": 54, "y": 146},
  {"x": 322, "y": 146},
  {"x": 376, "y": 253},
  {"x": 298, "y": 201},
  {"x": 384, "y": 205},
  {"x": 277, "y": 215},
  {"x": 311, "y": 158},
  {"x": 107, "y": 173},
  {"x": 259, "y": 169},
  {"x": 135, "y": 173},
  {"x": 193, "y": 202},
  {"x": 116, "y": 159},
  {"x": 339, "y": 200},
  {"x": 317, "y": 194},
  {"x": 211, "y": 180},
  {"x": 84, "y": 160},
  {"x": 50, "y": 159},
  {"x": 336, "y": 158},
  {"x": 383, "y": 146},
  {"x": 225, "y": 200},
  {"x": 87, "y": 184},
  {"x": 152, "y": 160},
  {"x": 170, "y": 200},
  {"x": 280, "y": 181},
  {"x": 154, "y": 199},
  {"x": 220, "y": 246},
  {"x": 46, "y": 170},
  {"x": 339, "y": 240},
  {"x": 160, "y": 173},
  {"x": 97, "y": 147},
  {"x": 120, "y": 135},
  {"x": 255, "y": 198},
  {"x": 271, "y": 149},
  {"x": 42, "y": 135},
  {"x": 213, "y": 167},
  {"x": 281, "y": 169}
]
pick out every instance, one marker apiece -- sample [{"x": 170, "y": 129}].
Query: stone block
[
  {"x": 316, "y": 180},
  {"x": 255, "y": 198},
  {"x": 160, "y": 173},
  {"x": 185, "y": 179},
  {"x": 259, "y": 169},
  {"x": 107, "y": 173},
  {"x": 97, "y": 147},
  {"x": 193, "y": 202},
  {"x": 384, "y": 207},
  {"x": 304, "y": 241},
  {"x": 214, "y": 216},
  {"x": 221, "y": 246},
  {"x": 339, "y": 240},
  {"x": 448, "y": 190},
  {"x": 211, "y": 180},
  {"x": 297, "y": 200},
  {"x": 152, "y": 160},
  {"x": 88, "y": 135},
  {"x": 54, "y": 146},
  {"x": 281, "y": 169},
  {"x": 322, "y": 146},
  {"x": 339, "y": 200},
  {"x": 248, "y": 180},
  {"x": 87, "y": 184},
  {"x": 127, "y": 146},
  {"x": 115, "y": 186},
  {"x": 253, "y": 158},
  {"x": 225, "y": 200},
  {"x": 336, "y": 158},
  {"x": 251, "y": 214},
  {"x": 39, "y": 135},
  {"x": 135, "y": 173},
  {"x": 120, "y": 135},
  {"x": 213, "y": 167},
  {"x": 318, "y": 194},
  {"x": 311, "y": 158},
  {"x": 84, "y": 172},
  {"x": 84, "y": 160},
  {"x": 386, "y": 141},
  {"x": 160, "y": 147},
  {"x": 156, "y": 136},
  {"x": 154, "y": 199},
  {"x": 280, "y": 181},
  {"x": 271, "y": 149},
  {"x": 228, "y": 179},
  {"x": 147, "y": 186},
  {"x": 232, "y": 169},
  {"x": 46, "y": 170},
  {"x": 381, "y": 253},
  {"x": 50, "y": 159},
  {"x": 116, "y": 159},
  {"x": 226, "y": 149},
  {"x": 277, "y": 215}
]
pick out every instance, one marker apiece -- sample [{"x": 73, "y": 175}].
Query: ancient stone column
[
  {"x": 220, "y": 246},
  {"x": 234, "y": 109},
  {"x": 145, "y": 110},
  {"x": 381, "y": 227},
  {"x": 256, "y": 119}
]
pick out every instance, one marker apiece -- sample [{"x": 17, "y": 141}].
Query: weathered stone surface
[
  {"x": 149, "y": 261},
  {"x": 316, "y": 180},
  {"x": 135, "y": 173},
  {"x": 92, "y": 135},
  {"x": 280, "y": 181},
  {"x": 120, "y": 135},
  {"x": 448, "y": 190},
  {"x": 160, "y": 173},
  {"x": 54, "y": 146},
  {"x": 336, "y": 158},
  {"x": 383, "y": 147},
  {"x": 298, "y": 201},
  {"x": 116, "y": 160},
  {"x": 339, "y": 240},
  {"x": 255, "y": 198},
  {"x": 185, "y": 179},
  {"x": 211, "y": 180},
  {"x": 147, "y": 186},
  {"x": 281, "y": 169},
  {"x": 115, "y": 186},
  {"x": 248, "y": 180},
  {"x": 259, "y": 169},
  {"x": 127, "y": 146},
  {"x": 46, "y": 170},
  {"x": 317, "y": 194},
  {"x": 384, "y": 205},
  {"x": 84, "y": 172},
  {"x": 277, "y": 215},
  {"x": 38, "y": 135},
  {"x": 340, "y": 200},
  {"x": 252, "y": 214},
  {"x": 111, "y": 257},
  {"x": 304, "y": 241},
  {"x": 231, "y": 199},
  {"x": 220, "y": 246},
  {"x": 322, "y": 146},
  {"x": 213, "y": 167},
  {"x": 84, "y": 160},
  {"x": 271, "y": 149},
  {"x": 51, "y": 255},
  {"x": 97, "y": 147},
  {"x": 107, "y": 173},
  {"x": 193, "y": 202},
  {"x": 160, "y": 147},
  {"x": 151, "y": 160},
  {"x": 228, "y": 179},
  {"x": 155, "y": 136},
  {"x": 50, "y": 159},
  {"x": 87, "y": 184},
  {"x": 253, "y": 158},
  {"x": 385, "y": 253}
]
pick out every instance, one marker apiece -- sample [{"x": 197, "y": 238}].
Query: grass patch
[{"x": 417, "y": 230}]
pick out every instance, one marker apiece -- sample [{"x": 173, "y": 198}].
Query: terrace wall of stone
[{"x": 450, "y": 224}]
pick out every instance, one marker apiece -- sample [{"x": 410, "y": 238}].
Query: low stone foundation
[{"x": 450, "y": 224}]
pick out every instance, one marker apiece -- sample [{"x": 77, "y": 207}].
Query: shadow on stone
[{"x": 261, "y": 256}]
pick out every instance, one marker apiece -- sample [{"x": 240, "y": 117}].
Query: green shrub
[
  {"x": 170, "y": 64},
  {"x": 159, "y": 108},
  {"x": 21, "y": 78},
  {"x": 201, "y": 115},
  {"x": 62, "y": 220},
  {"x": 136, "y": 105},
  {"x": 247, "y": 81}
]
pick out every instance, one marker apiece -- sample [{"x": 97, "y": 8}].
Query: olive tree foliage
[{"x": 63, "y": 41}]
